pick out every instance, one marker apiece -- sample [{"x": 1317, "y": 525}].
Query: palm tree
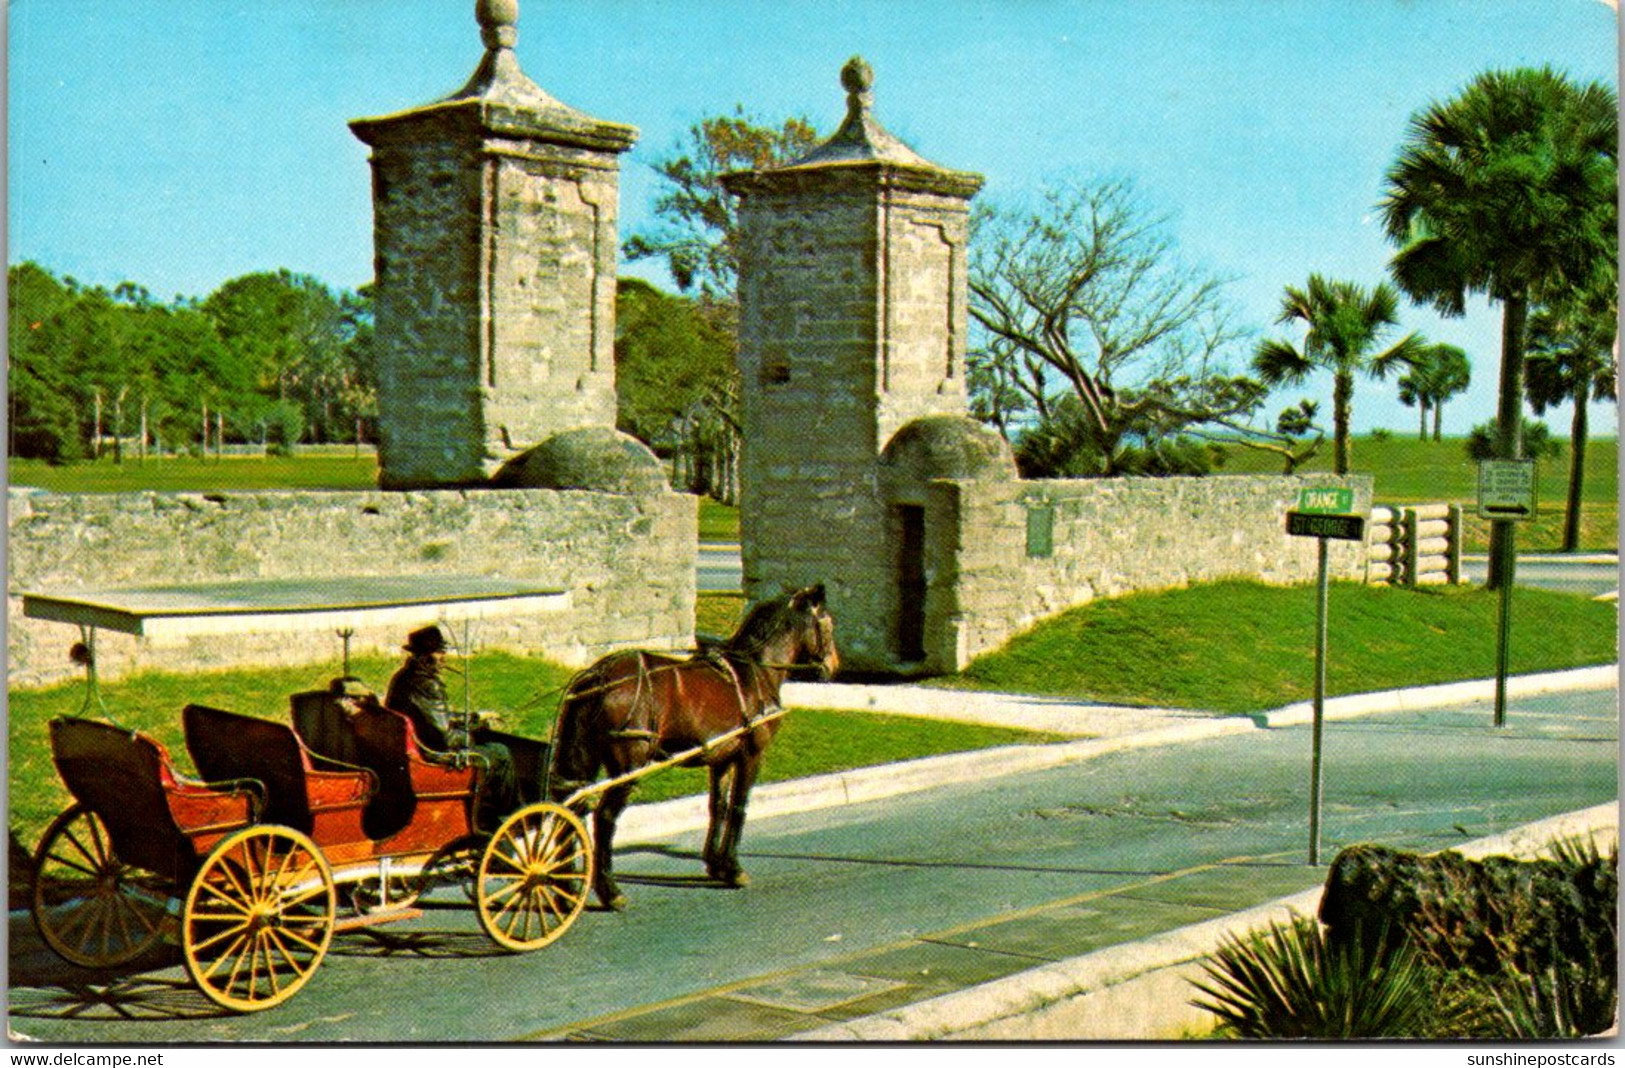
[
  {"x": 1572, "y": 358},
  {"x": 1345, "y": 325},
  {"x": 1506, "y": 190},
  {"x": 1411, "y": 395},
  {"x": 1439, "y": 372}
]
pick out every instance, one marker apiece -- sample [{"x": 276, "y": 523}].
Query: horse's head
[
  {"x": 790, "y": 631},
  {"x": 816, "y": 632}
]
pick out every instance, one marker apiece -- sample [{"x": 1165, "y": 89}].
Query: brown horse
[{"x": 633, "y": 708}]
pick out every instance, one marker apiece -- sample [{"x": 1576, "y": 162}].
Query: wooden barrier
[{"x": 1415, "y": 545}]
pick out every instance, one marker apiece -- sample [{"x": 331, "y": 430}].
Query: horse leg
[
  {"x": 719, "y": 817},
  {"x": 728, "y": 869},
  {"x": 603, "y": 846}
]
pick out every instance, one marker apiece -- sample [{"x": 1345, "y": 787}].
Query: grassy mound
[{"x": 1241, "y": 646}]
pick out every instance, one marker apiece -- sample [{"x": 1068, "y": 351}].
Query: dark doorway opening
[{"x": 911, "y": 583}]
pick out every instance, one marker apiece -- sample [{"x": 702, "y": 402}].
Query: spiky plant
[
  {"x": 1292, "y": 982},
  {"x": 1576, "y": 996}
]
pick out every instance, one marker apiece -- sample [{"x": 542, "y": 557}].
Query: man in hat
[{"x": 418, "y": 691}]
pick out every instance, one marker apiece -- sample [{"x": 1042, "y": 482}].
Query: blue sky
[{"x": 180, "y": 143}]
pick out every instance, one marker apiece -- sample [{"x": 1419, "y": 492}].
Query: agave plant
[
  {"x": 1564, "y": 1001},
  {"x": 1292, "y": 982}
]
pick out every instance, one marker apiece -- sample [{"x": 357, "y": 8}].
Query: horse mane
[{"x": 763, "y": 623}]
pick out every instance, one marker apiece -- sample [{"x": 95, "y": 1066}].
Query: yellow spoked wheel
[
  {"x": 534, "y": 877},
  {"x": 258, "y": 919},
  {"x": 89, "y": 906}
]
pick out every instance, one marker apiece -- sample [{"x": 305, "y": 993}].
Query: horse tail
[{"x": 574, "y": 761}]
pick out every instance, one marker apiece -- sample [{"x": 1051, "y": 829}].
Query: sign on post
[
  {"x": 1506, "y": 489},
  {"x": 1309, "y": 525},
  {"x": 1323, "y": 512},
  {"x": 1326, "y": 500}
]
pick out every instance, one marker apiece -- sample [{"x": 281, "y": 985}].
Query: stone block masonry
[
  {"x": 1002, "y": 555},
  {"x": 627, "y": 560},
  {"x": 495, "y": 251}
]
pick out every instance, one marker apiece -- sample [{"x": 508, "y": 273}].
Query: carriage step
[{"x": 374, "y": 919}]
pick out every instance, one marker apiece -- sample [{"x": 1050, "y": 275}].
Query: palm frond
[{"x": 1277, "y": 361}]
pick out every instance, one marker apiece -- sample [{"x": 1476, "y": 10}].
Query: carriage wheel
[
  {"x": 258, "y": 918},
  {"x": 534, "y": 877},
  {"x": 89, "y": 906}
]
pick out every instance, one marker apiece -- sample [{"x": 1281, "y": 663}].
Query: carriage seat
[
  {"x": 305, "y": 791},
  {"x": 360, "y": 730},
  {"x": 159, "y": 819}
]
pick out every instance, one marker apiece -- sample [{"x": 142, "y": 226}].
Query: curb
[
  {"x": 1045, "y": 1003},
  {"x": 660, "y": 819},
  {"x": 1548, "y": 558},
  {"x": 1601, "y": 677}
]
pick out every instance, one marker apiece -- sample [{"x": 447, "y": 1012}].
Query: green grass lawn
[
  {"x": 1408, "y": 471},
  {"x": 325, "y": 470},
  {"x": 718, "y": 522},
  {"x": 1241, "y": 646},
  {"x": 525, "y": 690}
]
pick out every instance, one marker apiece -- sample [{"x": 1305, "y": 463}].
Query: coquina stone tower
[
  {"x": 495, "y": 241},
  {"x": 852, "y": 338}
]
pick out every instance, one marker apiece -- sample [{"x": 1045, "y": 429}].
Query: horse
[{"x": 633, "y": 708}]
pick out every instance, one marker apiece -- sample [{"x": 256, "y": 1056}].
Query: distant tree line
[
  {"x": 276, "y": 358},
  {"x": 273, "y": 358}
]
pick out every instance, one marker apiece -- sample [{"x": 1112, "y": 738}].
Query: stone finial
[
  {"x": 499, "y": 21},
  {"x": 857, "y": 77}
]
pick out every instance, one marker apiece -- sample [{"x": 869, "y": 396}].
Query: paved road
[
  {"x": 718, "y": 568},
  {"x": 900, "y": 873},
  {"x": 1590, "y": 576}
]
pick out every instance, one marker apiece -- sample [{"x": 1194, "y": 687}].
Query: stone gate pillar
[
  {"x": 495, "y": 260},
  {"x": 852, "y": 324}
]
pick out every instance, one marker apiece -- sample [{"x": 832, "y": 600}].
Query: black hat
[{"x": 427, "y": 640}]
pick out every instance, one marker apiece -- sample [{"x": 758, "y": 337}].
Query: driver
[{"x": 417, "y": 690}]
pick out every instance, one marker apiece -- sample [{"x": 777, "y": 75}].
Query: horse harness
[{"x": 718, "y": 661}]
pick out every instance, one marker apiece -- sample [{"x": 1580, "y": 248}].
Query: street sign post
[
  {"x": 1342, "y": 527},
  {"x": 1506, "y": 493},
  {"x": 1326, "y": 500},
  {"x": 1322, "y": 513},
  {"x": 1506, "y": 489}
]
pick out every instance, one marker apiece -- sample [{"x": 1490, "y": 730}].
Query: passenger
[{"x": 417, "y": 690}]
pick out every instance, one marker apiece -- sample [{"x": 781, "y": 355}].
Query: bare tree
[{"x": 1083, "y": 294}]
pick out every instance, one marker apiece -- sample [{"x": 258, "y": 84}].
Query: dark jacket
[{"x": 417, "y": 690}]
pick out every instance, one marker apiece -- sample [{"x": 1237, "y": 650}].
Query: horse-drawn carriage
[
  {"x": 246, "y": 867},
  {"x": 340, "y": 819}
]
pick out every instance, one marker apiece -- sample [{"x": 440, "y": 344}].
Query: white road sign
[{"x": 1506, "y": 489}]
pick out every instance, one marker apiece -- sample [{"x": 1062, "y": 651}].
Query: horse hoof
[{"x": 735, "y": 880}]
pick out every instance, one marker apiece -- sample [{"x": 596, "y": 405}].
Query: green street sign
[
  {"x": 1326, "y": 500},
  {"x": 1318, "y": 525}
]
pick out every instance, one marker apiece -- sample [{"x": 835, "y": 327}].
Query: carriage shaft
[{"x": 594, "y": 789}]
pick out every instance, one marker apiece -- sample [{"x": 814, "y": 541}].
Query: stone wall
[
  {"x": 627, "y": 560},
  {"x": 1001, "y": 555}
]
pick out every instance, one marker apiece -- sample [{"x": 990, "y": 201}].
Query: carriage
[
  {"x": 340, "y": 819},
  {"x": 282, "y": 843}
]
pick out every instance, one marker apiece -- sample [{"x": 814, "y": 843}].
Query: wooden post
[
  {"x": 1454, "y": 572},
  {"x": 1409, "y": 522}
]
